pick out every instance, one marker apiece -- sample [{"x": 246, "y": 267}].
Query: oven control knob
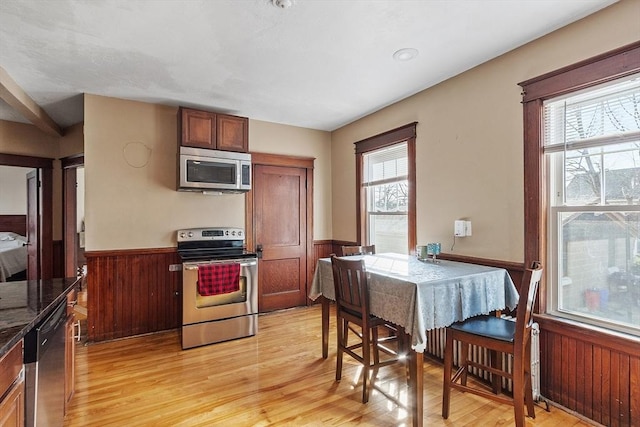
[
  {"x": 181, "y": 235},
  {"x": 233, "y": 233},
  {"x": 190, "y": 234},
  {"x": 239, "y": 233}
]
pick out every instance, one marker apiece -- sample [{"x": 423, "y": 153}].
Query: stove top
[
  {"x": 212, "y": 243},
  {"x": 210, "y": 234}
]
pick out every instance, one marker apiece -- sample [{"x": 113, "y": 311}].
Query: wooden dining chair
[
  {"x": 353, "y": 315},
  {"x": 498, "y": 336},
  {"x": 358, "y": 250}
]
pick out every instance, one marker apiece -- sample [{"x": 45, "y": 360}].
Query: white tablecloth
[{"x": 422, "y": 295}]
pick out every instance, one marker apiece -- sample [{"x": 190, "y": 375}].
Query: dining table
[{"x": 420, "y": 295}]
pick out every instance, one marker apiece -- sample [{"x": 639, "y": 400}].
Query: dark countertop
[{"x": 25, "y": 303}]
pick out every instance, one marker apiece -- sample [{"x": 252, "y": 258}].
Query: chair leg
[
  {"x": 528, "y": 393},
  {"x": 366, "y": 358},
  {"x": 446, "y": 384},
  {"x": 376, "y": 353},
  {"x": 518, "y": 390},
  {"x": 340, "y": 346}
]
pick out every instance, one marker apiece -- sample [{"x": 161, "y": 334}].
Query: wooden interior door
[
  {"x": 280, "y": 218},
  {"x": 69, "y": 226},
  {"x": 33, "y": 225}
]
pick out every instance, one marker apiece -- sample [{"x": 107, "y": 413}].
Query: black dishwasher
[{"x": 44, "y": 370}]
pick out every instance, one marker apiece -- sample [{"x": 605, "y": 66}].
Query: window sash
[
  {"x": 568, "y": 294},
  {"x": 389, "y": 163},
  {"x": 601, "y": 115}
]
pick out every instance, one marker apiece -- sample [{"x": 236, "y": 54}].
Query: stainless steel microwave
[{"x": 213, "y": 171}]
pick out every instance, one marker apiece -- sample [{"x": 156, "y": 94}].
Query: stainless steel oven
[{"x": 225, "y": 315}]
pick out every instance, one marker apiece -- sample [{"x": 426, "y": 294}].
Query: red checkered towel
[{"x": 217, "y": 279}]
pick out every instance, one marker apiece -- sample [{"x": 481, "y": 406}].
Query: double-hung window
[
  {"x": 592, "y": 155},
  {"x": 386, "y": 189}
]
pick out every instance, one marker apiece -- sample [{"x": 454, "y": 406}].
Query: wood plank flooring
[{"x": 277, "y": 377}]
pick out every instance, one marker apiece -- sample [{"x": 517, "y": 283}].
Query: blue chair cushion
[{"x": 488, "y": 326}]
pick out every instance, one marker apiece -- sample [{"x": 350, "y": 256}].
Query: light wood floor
[{"x": 277, "y": 377}]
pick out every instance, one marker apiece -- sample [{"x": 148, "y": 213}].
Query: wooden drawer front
[{"x": 10, "y": 367}]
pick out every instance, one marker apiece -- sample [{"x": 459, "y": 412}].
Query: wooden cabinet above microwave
[{"x": 203, "y": 129}]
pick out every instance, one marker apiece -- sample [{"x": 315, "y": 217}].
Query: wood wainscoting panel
[
  {"x": 321, "y": 249},
  {"x": 590, "y": 371},
  {"x": 132, "y": 292},
  {"x": 515, "y": 269}
]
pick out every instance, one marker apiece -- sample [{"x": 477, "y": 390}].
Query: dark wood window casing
[
  {"x": 600, "y": 69},
  {"x": 404, "y": 133},
  {"x": 585, "y": 368}
]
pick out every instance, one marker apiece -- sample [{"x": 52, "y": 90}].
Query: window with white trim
[
  {"x": 592, "y": 150},
  {"x": 385, "y": 181}
]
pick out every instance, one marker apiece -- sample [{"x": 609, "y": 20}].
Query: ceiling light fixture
[
  {"x": 282, "y": 4},
  {"x": 405, "y": 54}
]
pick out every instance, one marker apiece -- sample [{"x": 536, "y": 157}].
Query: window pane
[
  {"x": 599, "y": 265},
  {"x": 390, "y": 162},
  {"x": 621, "y": 181},
  {"x": 604, "y": 111},
  {"x": 582, "y": 177},
  {"x": 622, "y": 175},
  {"x": 388, "y": 233},
  {"x": 390, "y": 197}
]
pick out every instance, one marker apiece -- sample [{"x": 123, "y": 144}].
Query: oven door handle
[{"x": 194, "y": 266}]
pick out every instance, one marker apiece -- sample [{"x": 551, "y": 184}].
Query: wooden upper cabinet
[
  {"x": 203, "y": 129},
  {"x": 233, "y": 133},
  {"x": 198, "y": 128}
]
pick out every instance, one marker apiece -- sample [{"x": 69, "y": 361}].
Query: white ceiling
[{"x": 319, "y": 64}]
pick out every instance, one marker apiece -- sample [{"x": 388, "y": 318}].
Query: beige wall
[
  {"x": 72, "y": 142},
  {"x": 265, "y": 137},
  {"x": 469, "y": 140},
  {"x": 130, "y": 175},
  {"x": 27, "y": 140},
  {"x": 13, "y": 190}
]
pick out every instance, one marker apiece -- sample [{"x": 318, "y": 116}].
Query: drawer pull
[{"x": 77, "y": 336}]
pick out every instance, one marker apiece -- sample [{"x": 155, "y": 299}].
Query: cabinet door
[
  {"x": 12, "y": 407},
  {"x": 198, "y": 128},
  {"x": 69, "y": 362},
  {"x": 70, "y": 349},
  {"x": 232, "y": 133}
]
